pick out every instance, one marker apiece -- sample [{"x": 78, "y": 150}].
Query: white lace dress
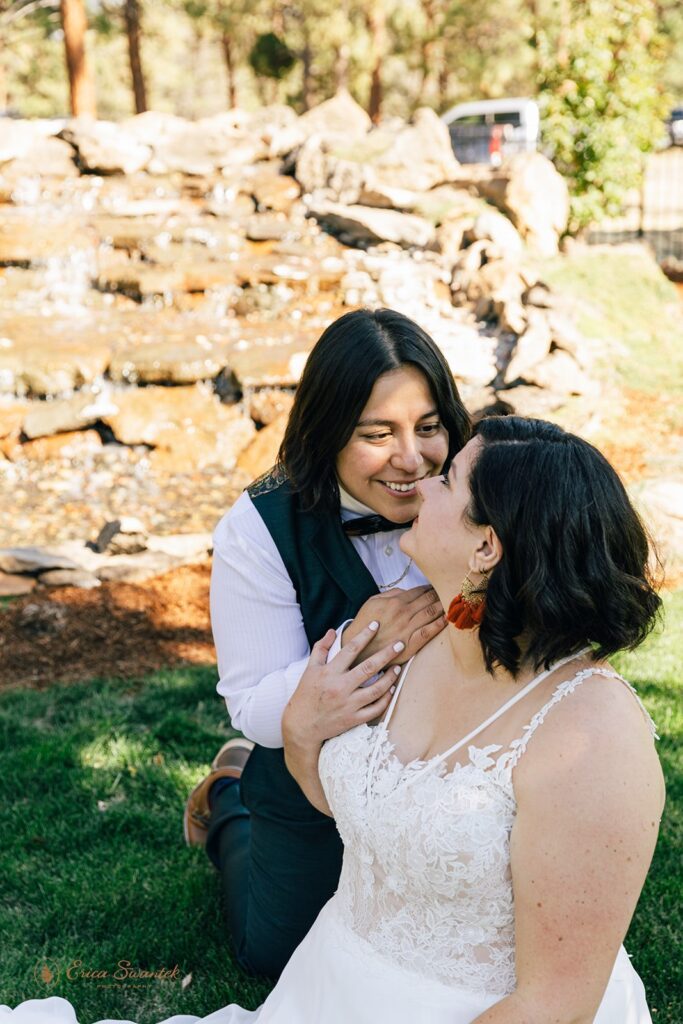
[{"x": 421, "y": 929}]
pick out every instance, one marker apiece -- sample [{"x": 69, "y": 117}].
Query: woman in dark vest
[{"x": 309, "y": 546}]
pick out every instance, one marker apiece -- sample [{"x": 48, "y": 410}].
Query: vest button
[{"x": 388, "y": 550}]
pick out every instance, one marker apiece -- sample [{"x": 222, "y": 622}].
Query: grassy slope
[{"x": 620, "y": 296}]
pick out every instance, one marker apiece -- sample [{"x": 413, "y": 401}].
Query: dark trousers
[{"x": 279, "y": 860}]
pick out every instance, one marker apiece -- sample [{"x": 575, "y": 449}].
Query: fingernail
[
  {"x": 374, "y": 626},
  {"x": 391, "y": 689},
  {"x": 399, "y": 645},
  {"x": 397, "y": 670}
]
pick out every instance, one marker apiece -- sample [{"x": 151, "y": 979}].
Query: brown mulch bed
[{"x": 117, "y": 630}]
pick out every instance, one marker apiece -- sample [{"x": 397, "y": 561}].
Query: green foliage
[
  {"x": 601, "y": 101},
  {"x": 271, "y": 57},
  {"x": 104, "y": 23}
]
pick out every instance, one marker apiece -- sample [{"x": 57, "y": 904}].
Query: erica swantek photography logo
[{"x": 123, "y": 974}]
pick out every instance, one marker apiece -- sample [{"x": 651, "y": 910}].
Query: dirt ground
[{"x": 118, "y": 629}]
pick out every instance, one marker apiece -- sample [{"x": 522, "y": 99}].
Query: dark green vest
[
  {"x": 329, "y": 577},
  {"x": 331, "y": 583}
]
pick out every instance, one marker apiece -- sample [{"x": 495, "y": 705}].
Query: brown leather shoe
[{"x": 228, "y": 763}]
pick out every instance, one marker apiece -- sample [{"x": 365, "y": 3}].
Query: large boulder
[
  {"x": 26, "y": 240},
  {"x": 419, "y": 156},
  {"x": 531, "y": 348},
  {"x": 17, "y": 138},
  {"x": 169, "y": 362},
  {"x": 72, "y": 445},
  {"x": 385, "y": 167},
  {"x": 41, "y": 369},
  {"x": 535, "y": 197},
  {"x": 368, "y": 225},
  {"x": 48, "y": 157},
  {"x": 273, "y": 191},
  {"x": 318, "y": 168},
  {"x": 46, "y": 418},
  {"x": 559, "y": 372},
  {"x": 471, "y": 356},
  {"x": 13, "y": 585},
  {"x": 154, "y": 127},
  {"x": 262, "y": 452},
  {"x": 495, "y": 227},
  {"x": 33, "y": 560},
  {"x": 340, "y": 116},
  {"x": 202, "y": 147},
  {"x": 188, "y": 427},
  {"x": 105, "y": 147}
]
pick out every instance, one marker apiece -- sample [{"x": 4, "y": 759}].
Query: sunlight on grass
[{"x": 120, "y": 753}]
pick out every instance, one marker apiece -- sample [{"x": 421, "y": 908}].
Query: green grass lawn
[{"x": 94, "y": 869}]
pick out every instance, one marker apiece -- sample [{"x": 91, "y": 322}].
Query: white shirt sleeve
[{"x": 261, "y": 643}]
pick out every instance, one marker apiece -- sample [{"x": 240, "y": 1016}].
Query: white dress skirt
[{"x": 335, "y": 977}]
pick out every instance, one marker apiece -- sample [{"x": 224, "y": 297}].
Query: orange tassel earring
[{"x": 467, "y": 609}]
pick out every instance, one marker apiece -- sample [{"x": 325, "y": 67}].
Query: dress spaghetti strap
[
  {"x": 399, "y": 687},
  {"x": 518, "y": 747},
  {"x": 439, "y": 758}
]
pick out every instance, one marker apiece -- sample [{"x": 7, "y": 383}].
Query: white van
[{"x": 485, "y": 131}]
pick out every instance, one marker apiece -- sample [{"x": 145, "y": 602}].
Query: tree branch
[{"x": 20, "y": 12}]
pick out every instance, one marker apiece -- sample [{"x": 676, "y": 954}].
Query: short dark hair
[
  {"x": 338, "y": 378},
  {"x": 575, "y": 558}
]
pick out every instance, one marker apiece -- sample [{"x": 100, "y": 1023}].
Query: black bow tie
[{"x": 365, "y": 525}]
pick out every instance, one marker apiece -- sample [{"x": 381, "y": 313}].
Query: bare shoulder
[{"x": 598, "y": 734}]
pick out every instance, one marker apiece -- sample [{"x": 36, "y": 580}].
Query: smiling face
[
  {"x": 398, "y": 440},
  {"x": 442, "y": 540}
]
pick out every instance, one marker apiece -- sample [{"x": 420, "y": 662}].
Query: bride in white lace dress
[{"x": 489, "y": 880}]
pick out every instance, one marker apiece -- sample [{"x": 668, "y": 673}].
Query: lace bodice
[{"x": 426, "y": 874}]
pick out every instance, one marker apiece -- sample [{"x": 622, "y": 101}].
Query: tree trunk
[
  {"x": 226, "y": 44},
  {"x": 4, "y": 78},
  {"x": 81, "y": 83},
  {"x": 307, "y": 61},
  {"x": 341, "y": 68},
  {"x": 131, "y": 14},
  {"x": 343, "y": 55},
  {"x": 427, "y": 50},
  {"x": 444, "y": 83},
  {"x": 564, "y": 35},
  {"x": 534, "y": 38},
  {"x": 377, "y": 25}
]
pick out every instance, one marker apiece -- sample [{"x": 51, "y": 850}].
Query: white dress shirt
[{"x": 258, "y": 630}]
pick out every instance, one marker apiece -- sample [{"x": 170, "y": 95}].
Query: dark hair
[
  {"x": 338, "y": 378},
  {"x": 574, "y": 568}
]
